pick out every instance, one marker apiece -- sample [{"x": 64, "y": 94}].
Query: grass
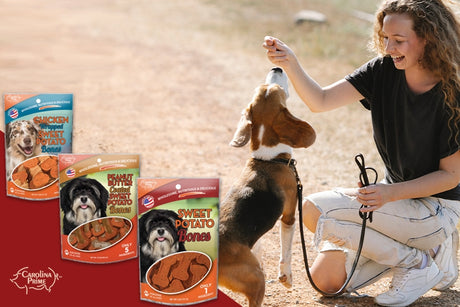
[{"x": 343, "y": 36}]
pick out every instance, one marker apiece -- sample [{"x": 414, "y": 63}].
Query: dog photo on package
[
  {"x": 98, "y": 207},
  {"x": 178, "y": 240},
  {"x": 38, "y": 127}
]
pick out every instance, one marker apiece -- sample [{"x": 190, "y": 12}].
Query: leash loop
[{"x": 364, "y": 179}]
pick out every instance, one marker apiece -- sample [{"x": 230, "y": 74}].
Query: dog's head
[
  {"x": 267, "y": 122},
  {"x": 21, "y": 137},
  {"x": 158, "y": 234},
  {"x": 83, "y": 199}
]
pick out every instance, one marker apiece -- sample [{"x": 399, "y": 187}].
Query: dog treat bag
[
  {"x": 98, "y": 207},
  {"x": 38, "y": 127},
  {"x": 178, "y": 240}
]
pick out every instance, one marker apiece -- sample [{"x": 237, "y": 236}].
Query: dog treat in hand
[
  {"x": 36, "y": 173},
  {"x": 178, "y": 272},
  {"x": 97, "y": 234}
]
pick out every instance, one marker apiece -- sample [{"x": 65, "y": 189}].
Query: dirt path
[{"x": 151, "y": 77}]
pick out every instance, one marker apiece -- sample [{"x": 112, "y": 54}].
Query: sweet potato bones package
[
  {"x": 178, "y": 240},
  {"x": 98, "y": 207},
  {"x": 37, "y": 129}
]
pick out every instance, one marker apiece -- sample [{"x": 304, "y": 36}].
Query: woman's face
[{"x": 401, "y": 42}]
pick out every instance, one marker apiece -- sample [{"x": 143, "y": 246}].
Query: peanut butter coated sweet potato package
[
  {"x": 178, "y": 240},
  {"x": 98, "y": 207}
]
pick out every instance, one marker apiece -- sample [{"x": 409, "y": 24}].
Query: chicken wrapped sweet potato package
[{"x": 38, "y": 127}]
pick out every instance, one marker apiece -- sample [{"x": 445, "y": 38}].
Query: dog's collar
[
  {"x": 288, "y": 162},
  {"x": 291, "y": 163}
]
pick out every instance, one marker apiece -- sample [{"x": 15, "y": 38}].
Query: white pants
[{"x": 399, "y": 234}]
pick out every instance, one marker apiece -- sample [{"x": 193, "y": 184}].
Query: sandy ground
[{"x": 151, "y": 77}]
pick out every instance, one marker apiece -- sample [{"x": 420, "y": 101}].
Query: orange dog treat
[
  {"x": 115, "y": 239},
  {"x": 197, "y": 272},
  {"x": 73, "y": 239},
  {"x": 39, "y": 180},
  {"x": 87, "y": 230},
  {"x": 48, "y": 164},
  {"x": 161, "y": 278},
  {"x": 35, "y": 170},
  {"x": 181, "y": 271},
  {"x": 20, "y": 174},
  {"x": 36, "y": 173},
  {"x": 110, "y": 231},
  {"x": 117, "y": 222},
  {"x": 178, "y": 272},
  {"x": 82, "y": 239},
  {"x": 20, "y": 184},
  {"x": 54, "y": 172},
  {"x": 202, "y": 259},
  {"x": 124, "y": 230},
  {"x": 98, "y": 234},
  {"x": 30, "y": 163},
  {"x": 97, "y": 228},
  {"x": 175, "y": 286},
  {"x": 41, "y": 159}
]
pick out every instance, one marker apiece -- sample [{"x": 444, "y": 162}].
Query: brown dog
[{"x": 266, "y": 189}]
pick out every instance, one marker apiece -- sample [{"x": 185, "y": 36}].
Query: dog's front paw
[
  {"x": 286, "y": 280},
  {"x": 285, "y": 274}
]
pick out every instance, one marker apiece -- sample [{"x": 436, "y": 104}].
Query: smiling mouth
[
  {"x": 397, "y": 59},
  {"x": 161, "y": 239},
  {"x": 27, "y": 150}
]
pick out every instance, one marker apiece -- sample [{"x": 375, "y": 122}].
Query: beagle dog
[{"x": 266, "y": 189}]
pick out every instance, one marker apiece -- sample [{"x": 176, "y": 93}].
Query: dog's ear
[
  {"x": 103, "y": 195},
  {"x": 35, "y": 126},
  {"x": 243, "y": 131},
  {"x": 64, "y": 197},
  {"x": 7, "y": 134},
  {"x": 144, "y": 226},
  {"x": 293, "y": 131}
]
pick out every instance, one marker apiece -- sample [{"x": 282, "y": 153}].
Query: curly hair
[{"x": 436, "y": 22}]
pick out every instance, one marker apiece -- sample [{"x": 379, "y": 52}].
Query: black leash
[{"x": 359, "y": 159}]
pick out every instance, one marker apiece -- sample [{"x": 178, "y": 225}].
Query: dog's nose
[
  {"x": 27, "y": 141},
  {"x": 161, "y": 231},
  {"x": 277, "y": 76},
  {"x": 83, "y": 199}
]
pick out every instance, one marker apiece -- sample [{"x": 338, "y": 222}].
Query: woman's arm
[
  {"x": 317, "y": 98},
  {"x": 446, "y": 178}
]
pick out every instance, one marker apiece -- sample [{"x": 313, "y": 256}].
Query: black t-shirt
[{"x": 411, "y": 131}]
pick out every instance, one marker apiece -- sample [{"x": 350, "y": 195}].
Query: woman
[{"x": 413, "y": 92}]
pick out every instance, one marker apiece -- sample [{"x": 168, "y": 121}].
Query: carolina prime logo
[{"x": 37, "y": 280}]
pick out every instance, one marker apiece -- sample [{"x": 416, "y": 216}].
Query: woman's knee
[
  {"x": 328, "y": 271},
  {"x": 310, "y": 215}
]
